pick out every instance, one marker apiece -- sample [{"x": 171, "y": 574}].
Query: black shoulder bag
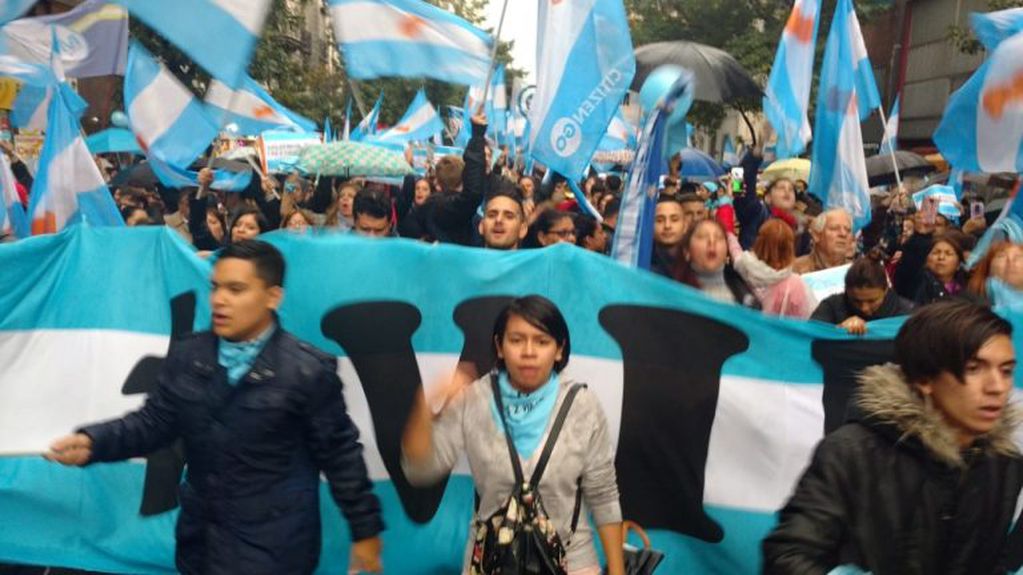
[{"x": 520, "y": 539}]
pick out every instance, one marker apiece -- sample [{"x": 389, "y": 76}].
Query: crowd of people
[{"x": 721, "y": 237}]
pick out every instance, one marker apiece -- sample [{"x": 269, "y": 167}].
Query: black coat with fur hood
[{"x": 894, "y": 493}]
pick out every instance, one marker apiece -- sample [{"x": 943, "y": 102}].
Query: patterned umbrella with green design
[{"x": 351, "y": 159}]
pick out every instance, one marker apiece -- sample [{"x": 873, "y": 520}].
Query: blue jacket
[{"x": 250, "y": 501}]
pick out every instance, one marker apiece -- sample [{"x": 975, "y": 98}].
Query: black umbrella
[
  {"x": 140, "y": 176},
  {"x": 881, "y": 170},
  {"x": 718, "y": 76}
]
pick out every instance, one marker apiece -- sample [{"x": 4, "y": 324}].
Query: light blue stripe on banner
[
  {"x": 368, "y": 60},
  {"x": 202, "y": 30},
  {"x": 82, "y": 508}
]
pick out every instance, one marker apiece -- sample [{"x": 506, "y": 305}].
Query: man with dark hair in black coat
[
  {"x": 926, "y": 481},
  {"x": 261, "y": 415}
]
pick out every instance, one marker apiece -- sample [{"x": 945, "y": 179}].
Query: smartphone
[
  {"x": 737, "y": 179},
  {"x": 930, "y": 210},
  {"x": 976, "y": 209}
]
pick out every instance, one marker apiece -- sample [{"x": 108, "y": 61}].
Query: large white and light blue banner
[{"x": 714, "y": 409}]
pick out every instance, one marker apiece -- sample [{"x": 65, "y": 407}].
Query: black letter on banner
[
  {"x": 842, "y": 361},
  {"x": 672, "y": 362},
  {"x": 163, "y": 467},
  {"x": 476, "y": 317},
  {"x": 378, "y": 339}
]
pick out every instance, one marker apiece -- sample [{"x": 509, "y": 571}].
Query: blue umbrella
[
  {"x": 699, "y": 166},
  {"x": 113, "y": 140}
]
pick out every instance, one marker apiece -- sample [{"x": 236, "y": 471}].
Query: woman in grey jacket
[{"x": 532, "y": 342}]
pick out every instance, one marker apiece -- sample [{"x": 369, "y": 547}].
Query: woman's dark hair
[
  {"x": 543, "y": 224},
  {"x": 585, "y": 227},
  {"x": 867, "y": 272},
  {"x": 542, "y": 314},
  {"x": 261, "y": 222},
  {"x": 944, "y": 336},
  {"x": 267, "y": 259},
  {"x": 683, "y": 270}
]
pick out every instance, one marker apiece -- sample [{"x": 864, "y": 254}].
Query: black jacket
[
  {"x": 895, "y": 495},
  {"x": 250, "y": 501},
  {"x": 932, "y": 289},
  {"x": 909, "y": 272},
  {"x": 835, "y": 308},
  {"x": 447, "y": 216}
]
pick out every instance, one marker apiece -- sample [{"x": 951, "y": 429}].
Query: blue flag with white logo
[{"x": 584, "y": 67}]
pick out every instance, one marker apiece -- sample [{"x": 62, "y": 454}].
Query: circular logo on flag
[
  {"x": 34, "y": 38},
  {"x": 525, "y": 102},
  {"x": 566, "y": 137}
]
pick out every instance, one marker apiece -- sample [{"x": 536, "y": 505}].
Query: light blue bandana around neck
[
  {"x": 526, "y": 413},
  {"x": 237, "y": 356}
]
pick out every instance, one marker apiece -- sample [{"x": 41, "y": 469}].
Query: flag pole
[
  {"x": 891, "y": 149},
  {"x": 493, "y": 56}
]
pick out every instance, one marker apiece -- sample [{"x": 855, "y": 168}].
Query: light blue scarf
[
  {"x": 527, "y": 413},
  {"x": 237, "y": 356}
]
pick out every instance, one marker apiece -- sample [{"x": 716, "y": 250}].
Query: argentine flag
[
  {"x": 368, "y": 125},
  {"x": 846, "y": 95},
  {"x": 68, "y": 187},
  {"x": 891, "y": 130},
  {"x": 252, "y": 109},
  {"x": 584, "y": 67},
  {"x": 729, "y": 157},
  {"x": 420, "y": 122},
  {"x": 982, "y": 129},
  {"x": 219, "y": 35},
  {"x": 169, "y": 122},
  {"x": 174, "y": 177},
  {"x": 787, "y": 95},
  {"x": 410, "y": 39}
]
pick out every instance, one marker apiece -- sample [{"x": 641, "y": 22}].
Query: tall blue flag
[
  {"x": 847, "y": 94},
  {"x": 633, "y": 239},
  {"x": 584, "y": 67},
  {"x": 787, "y": 96},
  {"x": 219, "y": 35}
]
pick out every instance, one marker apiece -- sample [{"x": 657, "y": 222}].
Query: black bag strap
[
  {"x": 559, "y": 422},
  {"x": 516, "y": 464},
  {"x": 578, "y": 504}
]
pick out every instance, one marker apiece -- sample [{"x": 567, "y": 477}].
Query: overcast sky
[{"x": 519, "y": 25}]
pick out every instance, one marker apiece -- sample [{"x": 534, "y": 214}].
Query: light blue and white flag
[
  {"x": 168, "y": 120},
  {"x": 174, "y": 177},
  {"x": 420, "y": 122},
  {"x": 68, "y": 186},
  {"x": 93, "y": 39},
  {"x": 410, "y": 39},
  {"x": 787, "y": 96},
  {"x": 252, "y": 109},
  {"x": 368, "y": 125},
  {"x": 890, "y": 143},
  {"x": 12, "y": 9},
  {"x": 621, "y": 131},
  {"x": 497, "y": 98},
  {"x": 634, "y": 235},
  {"x": 982, "y": 129},
  {"x": 945, "y": 197},
  {"x": 328, "y": 134},
  {"x": 31, "y": 107},
  {"x": 37, "y": 74},
  {"x": 12, "y": 213},
  {"x": 219, "y": 35},
  {"x": 584, "y": 67},
  {"x": 729, "y": 157},
  {"x": 846, "y": 95}
]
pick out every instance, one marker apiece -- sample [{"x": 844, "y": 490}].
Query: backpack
[{"x": 519, "y": 538}]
